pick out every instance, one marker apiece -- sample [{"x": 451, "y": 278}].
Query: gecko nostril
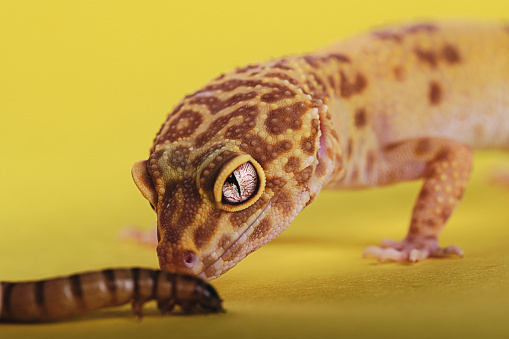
[{"x": 189, "y": 259}]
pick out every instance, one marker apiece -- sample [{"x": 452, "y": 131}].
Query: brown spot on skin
[
  {"x": 370, "y": 162},
  {"x": 355, "y": 174},
  {"x": 262, "y": 152},
  {"x": 282, "y": 76},
  {"x": 423, "y": 194},
  {"x": 215, "y": 105},
  {"x": 320, "y": 92},
  {"x": 319, "y": 81},
  {"x": 283, "y": 201},
  {"x": 245, "y": 69},
  {"x": 321, "y": 169},
  {"x": 443, "y": 155},
  {"x": 399, "y": 73},
  {"x": 421, "y": 28},
  {"x": 204, "y": 233},
  {"x": 348, "y": 88},
  {"x": 272, "y": 97},
  {"x": 217, "y": 125},
  {"x": 304, "y": 176},
  {"x": 423, "y": 146},
  {"x": 262, "y": 229},
  {"x": 393, "y": 146},
  {"x": 427, "y": 57},
  {"x": 220, "y": 77},
  {"x": 333, "y": 133},
  {"x": 183, "y": 125},
  {"x": 172, "y": 231},
  {"x": 338, "y": 57},
  {"x": 209, "y": 260},
  {"x": 451, "y": 54},
  {"x": 429, "y": 222},
  {"x": 446, "y": 213},
  {"x": 279, "y": 92},
  {"x": 275, "y": 184},
  {"x": 349, "y": 148},
  {"x": 292, "y": 166},
  {"x": 281, "y": 64},
  {"x": 308, "y": 145},
  {"x": 360, "y": 118},
  {"x": 313, "y": 61},
  {"x": 229, "y": 85},
  {"x": 434, "y": 93},
  {"x": 238, "y": 130},
  {"x": 283, "y": 118},
  {"x": 310, "y": 86},
  {"x": 386, "y": 35},
  {"x": 233, "y": 84},
  {"x": 178, "y": 157},
  {"x": 224, "y": 242},
  {"x": 332, "y": 83}
]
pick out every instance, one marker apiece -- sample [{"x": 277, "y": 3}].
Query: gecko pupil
[
  {"x": 232, "y": 180},
  {"x": 240, "y": 185}
]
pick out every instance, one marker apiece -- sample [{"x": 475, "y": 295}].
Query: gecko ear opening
[
  {"x": 144, "y": 182},
  {"x": 239, "y": 184}
]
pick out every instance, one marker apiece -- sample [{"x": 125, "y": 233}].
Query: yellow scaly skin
[{"x": 398, "y": 104}]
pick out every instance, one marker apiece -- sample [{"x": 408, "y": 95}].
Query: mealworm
[{"x": 63, "y": 297}]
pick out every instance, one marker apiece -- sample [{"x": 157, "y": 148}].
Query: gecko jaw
[{"x": 237, "y": 243}]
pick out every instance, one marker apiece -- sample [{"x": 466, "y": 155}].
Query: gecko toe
[
  {"x": 384, "y": 254},
  {"x": 372, "y": 251},
  {"x": 448, "y": 251}
]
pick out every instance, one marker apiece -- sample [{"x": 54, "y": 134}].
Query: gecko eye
[{"x": 239, "y": 184}]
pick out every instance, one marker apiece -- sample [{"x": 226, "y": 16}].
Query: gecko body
[{"x": 236, "y": 161}]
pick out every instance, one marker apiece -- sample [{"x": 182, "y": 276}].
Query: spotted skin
[{"x": 398, "y": 104}]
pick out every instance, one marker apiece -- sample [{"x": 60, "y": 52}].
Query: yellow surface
[{"x": 85, "y": 85}]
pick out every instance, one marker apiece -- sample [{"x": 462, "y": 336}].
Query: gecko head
[{"x": 223, "y": 189}]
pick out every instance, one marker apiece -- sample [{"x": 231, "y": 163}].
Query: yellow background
[{"x": 84, "y": 87}]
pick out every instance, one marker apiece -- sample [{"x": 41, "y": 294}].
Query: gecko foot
[{"x": 417, "y": 249}]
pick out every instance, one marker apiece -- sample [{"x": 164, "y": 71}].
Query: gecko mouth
[{"x": 220, "y": 262}]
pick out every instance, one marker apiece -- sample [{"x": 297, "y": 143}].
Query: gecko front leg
[{"x": 445, "y": 166}]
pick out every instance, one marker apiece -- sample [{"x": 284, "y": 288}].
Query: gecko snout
[{"x": 188, "y": 259}]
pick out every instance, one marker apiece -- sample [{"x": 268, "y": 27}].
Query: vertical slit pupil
[{"x": 233, "y": 180}]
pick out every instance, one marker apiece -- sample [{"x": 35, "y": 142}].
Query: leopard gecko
[{"x": 236, "y": 161}]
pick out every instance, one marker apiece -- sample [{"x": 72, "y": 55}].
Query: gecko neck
[{"x": 330, "y": 78}]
